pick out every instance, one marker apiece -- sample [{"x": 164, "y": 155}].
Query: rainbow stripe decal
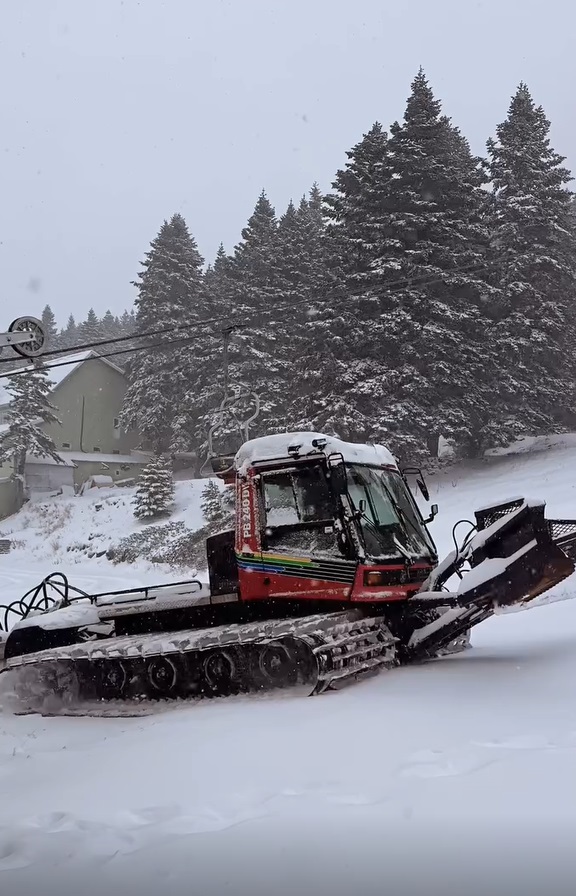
[{"x": 342, "y": 571}]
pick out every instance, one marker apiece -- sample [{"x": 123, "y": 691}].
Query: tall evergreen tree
[
  {"x": 534, "y": 325},
  {"x": 128, "y": 323},
  {"x": 205, "y": 382},
  {"x": 437, "y": 244},
  {"x": 170, "y": 287},
  {"x": 406, "y": 353},
  {"x": 90, "y": 330},
  {"x": 340, "y": 328},
  {"x": 254, "y": 353},
  {"x": 124, "y": 325},
  {"x": 110, "y": 326},
  {"x": 358, "y": 204},
  {"x": 69, "y": 336},
  {"x": 50, "y": 328},
  {"x": 30, "y": 407},
  {"x": 304, "y": 285}
]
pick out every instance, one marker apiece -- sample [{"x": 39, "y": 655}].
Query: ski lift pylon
[{"x": 235, "y": 401}]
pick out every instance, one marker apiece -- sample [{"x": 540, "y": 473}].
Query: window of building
[{"x": 66, "y": 445}]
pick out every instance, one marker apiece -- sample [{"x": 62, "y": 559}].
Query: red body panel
[{"x": 263, "y": 586}]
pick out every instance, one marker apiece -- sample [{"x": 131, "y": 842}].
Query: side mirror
[
  {"x": 433, "y": 513},
  {"x": 362, "y": 506}
]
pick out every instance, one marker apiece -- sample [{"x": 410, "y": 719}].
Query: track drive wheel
[
  {"x": 163, "y": 677},
  {"x": 221, "y": 672},
  {"x": 274, "y": 665},
  {"x": 112, "y": 680}
]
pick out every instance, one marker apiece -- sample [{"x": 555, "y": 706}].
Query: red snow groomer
[{"x": 329, "y": 573}]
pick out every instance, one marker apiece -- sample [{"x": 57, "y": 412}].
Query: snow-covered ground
[
  {"x": 60, "y": 531},
  {"x": 457, "y": 776}
]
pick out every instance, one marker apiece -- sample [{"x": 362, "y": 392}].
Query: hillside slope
[{"x": 70, "y": 531}]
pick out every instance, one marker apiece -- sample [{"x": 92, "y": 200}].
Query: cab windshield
[{"x": 390, "y": 524}]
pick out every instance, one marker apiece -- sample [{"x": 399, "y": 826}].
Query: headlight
[{"x": 379, "y": 577}]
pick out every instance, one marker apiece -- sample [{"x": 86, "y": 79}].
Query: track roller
[
  {"x": 111, "y": 679},
  {"x": 273, "y": 665},
  {"x": 163, "y": 676},
  {"x": 221, "y": 672}
]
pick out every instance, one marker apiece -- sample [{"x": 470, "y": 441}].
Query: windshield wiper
[
  {"x": 402, "y": 516},
  {"x": 378, "y": 535}
]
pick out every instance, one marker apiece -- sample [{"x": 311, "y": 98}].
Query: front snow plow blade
[
  {"x": 312, "y": 654},
  {"x": 515, "y": 556}
]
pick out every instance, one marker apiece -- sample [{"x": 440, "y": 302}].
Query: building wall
[
  {"x": 48, "y": 477},
  {"x": 11, "y": 497},
  {"x": 83, "y": 471},
  {"x": 89, "y": 404}
]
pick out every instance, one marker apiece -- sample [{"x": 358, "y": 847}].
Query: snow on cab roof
[{"x": 276, "y": 447}]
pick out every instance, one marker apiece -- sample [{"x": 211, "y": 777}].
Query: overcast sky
[{"x": 117, "y": 113}]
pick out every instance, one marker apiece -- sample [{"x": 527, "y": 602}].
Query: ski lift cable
[
  {"x": 184, "y": 340},
  {"x": 423, "y": 281}
]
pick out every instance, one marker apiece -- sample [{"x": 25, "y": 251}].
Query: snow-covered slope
[
  {"x": 453, "y": 777},
  {"x": 68, "y": 533}
]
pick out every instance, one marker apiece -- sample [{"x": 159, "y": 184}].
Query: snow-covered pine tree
[
  {"x": 342, "y": 330},
  {"x": 50, "y": 329},
  {"x": 124, "y": 325},
  {"x": 255, "y": 356},
  {"x": 128, "y": 323},
  {"x": 432, "y": 282},
  {"x": 155, "y": 492},
  {"x": 304, "y": 284},
  {"x": 534, "y": 326},
  {"x": 357, "y": 204},
  {"x": 110, "y": 326},
  {"x": 408, "y": 218},
  {"x": 292, "y": 285},
  {"x": 205, "y": 385},
  {"x": 69, "y": 336},
  {"x": 170, "y": 293},
  {"x": 216, "y": 512},
  {"x": 90, "y": 330},
  {"x": 29, "y": 408}
]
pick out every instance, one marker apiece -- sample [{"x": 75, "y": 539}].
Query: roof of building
[{"x": 57, "y": 375}]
